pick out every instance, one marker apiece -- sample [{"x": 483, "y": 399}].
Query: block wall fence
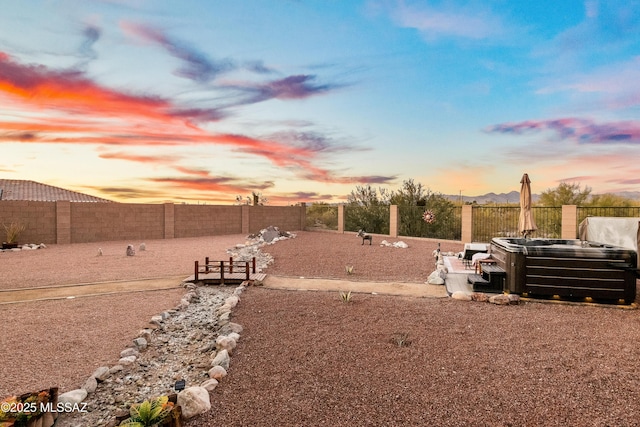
[{"x": 65, "y": 222}]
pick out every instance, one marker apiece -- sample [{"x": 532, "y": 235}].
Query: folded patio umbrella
[{"x": 526, "y": 223}]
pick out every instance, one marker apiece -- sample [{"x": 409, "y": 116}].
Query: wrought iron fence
[
  {"x": 321, "y": 216},
  {"x": 372, "y": 219},
  {"x": 502, "y": 221},
  {"x": 447, "y": 224}
]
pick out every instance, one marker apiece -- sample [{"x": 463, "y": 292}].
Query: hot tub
[{"x": 568, "y": 268}]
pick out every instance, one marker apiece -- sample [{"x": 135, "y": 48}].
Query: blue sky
[{"x": 200, "y": 101}]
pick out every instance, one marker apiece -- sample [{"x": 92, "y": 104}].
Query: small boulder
[
  {"x": 194, "y": 401},
  {"x": 479, "y": 297},
  {"x": 461, "y": 296},
  {"x": 501, "y": 299},
  {"x": 73, "y": 397},
  {"x": 217, "y": 372},
  {"x": 224, "y": 342},
  {"x": 209, "y": 384},
  {"x": 90, "y": 385},
  {"x": 140, "y": 343},
  {"x": 126, "y": 361},
  {"x": 221, "y": 359},
  {"x": 129, "y": 352},
  {"x": 101, "y": 373}
]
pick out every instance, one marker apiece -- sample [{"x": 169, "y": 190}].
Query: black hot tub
[{"x": 568, "y": 268}]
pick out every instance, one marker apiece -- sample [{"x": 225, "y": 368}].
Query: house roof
[{"x": 18, "y": 189}]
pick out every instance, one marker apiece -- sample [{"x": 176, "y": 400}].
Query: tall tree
[{"x": 565, "y": 194}]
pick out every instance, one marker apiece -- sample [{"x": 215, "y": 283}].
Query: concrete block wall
[
  {"x": 206, "y": 220},
  {"x": 286, "y": 218},
  {"x": 95, "y": 222},
  {"x": 39, "y": 218}
]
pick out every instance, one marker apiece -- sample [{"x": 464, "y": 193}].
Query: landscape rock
[
  {"x": 101, "y": 373},
  {"x": 125, "y": 361},
  {"x": 217, "y": 372},
  {"x": 73, "y": 397},
  {"x": 461, "y": 296},
  {"x": 194, "y": 401},
  {"x": 270, "y": 233},
  {"x": 221, "y": 359},
  {"x": 209, "y": 384},
  {"x": 130, "y": 250},
  {"x": 479, "y": 297},
  {"x": 90, "y": 385},
  {"x": 140, "y": 343},
  {"x": 129, "y": 352},
  {"x": 501, "y": 299},
  {"x": 224, "y": 342}
]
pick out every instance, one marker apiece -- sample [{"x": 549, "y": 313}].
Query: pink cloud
[{"x": 583, "y": 131}]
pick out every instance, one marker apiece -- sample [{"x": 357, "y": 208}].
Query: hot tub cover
[{"x": 623, "y": 232}]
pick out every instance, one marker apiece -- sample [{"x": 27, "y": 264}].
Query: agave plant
[
  {"x": 349, "y": 269},
  {"x": 149, "y": 413},
  {"x": 346, "y": 296}
]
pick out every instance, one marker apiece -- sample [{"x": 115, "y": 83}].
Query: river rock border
[{"x": 192, "y": 342}]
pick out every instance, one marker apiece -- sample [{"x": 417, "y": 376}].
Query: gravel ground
[
  {"x": 80, "y": 263},
  {"x": 306, "y": 358}
]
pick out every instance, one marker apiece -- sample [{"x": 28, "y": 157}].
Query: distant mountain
[
  {"x": 511, "y": 197},
  {"x": 635, "y": 195}
]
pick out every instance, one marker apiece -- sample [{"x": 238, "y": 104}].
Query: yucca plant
[
  {"x": 149, "y": 413},
  {"x": 345, "y": 296}
]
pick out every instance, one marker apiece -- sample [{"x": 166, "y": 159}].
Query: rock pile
[
  {"x": 26, "y": 247},
  {"x": 399, "y": 244},
  {"x": 251, "y": 247},
  {"x": 192, "y": 342}
]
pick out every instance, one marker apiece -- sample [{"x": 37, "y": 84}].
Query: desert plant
[
  {"x": 349, "y": 269},
  {"x": 13, "y": 230},
  {"x": 401, "y": 339},
  {"x": 149, "y": 413},
  {"x": 345, "y": 296}
]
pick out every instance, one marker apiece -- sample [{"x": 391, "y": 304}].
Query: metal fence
[
  {"x": 372, "y": 219},
  {"x": 447, "y": 224},
  {"x": 502, "y": 221}
]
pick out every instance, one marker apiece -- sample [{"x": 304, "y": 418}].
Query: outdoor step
[{"x": 476, "y": 278}]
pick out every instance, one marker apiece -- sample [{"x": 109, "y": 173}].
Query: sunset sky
[{"x": 199, "y": 101}]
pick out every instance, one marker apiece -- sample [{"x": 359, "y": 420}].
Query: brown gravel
[
  {"x": 306, "y": 358},
  {"x": 79, "y": 262}
]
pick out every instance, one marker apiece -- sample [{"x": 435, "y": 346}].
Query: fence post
[
  {"x": 303, "y": 216},
  {"x": 340, "y": 218},
  {"x": 63, "y": 222},
  {"x": 222, "y": 272},
  {"x": 245, "y": 219},
  {"x": 169, "y": 221},
  {"x": 393, "y": 221},
  {"x": 195, "y": 273},
  {"x": 569, "y": 222},
  {"x": 467, "y": 223}
]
